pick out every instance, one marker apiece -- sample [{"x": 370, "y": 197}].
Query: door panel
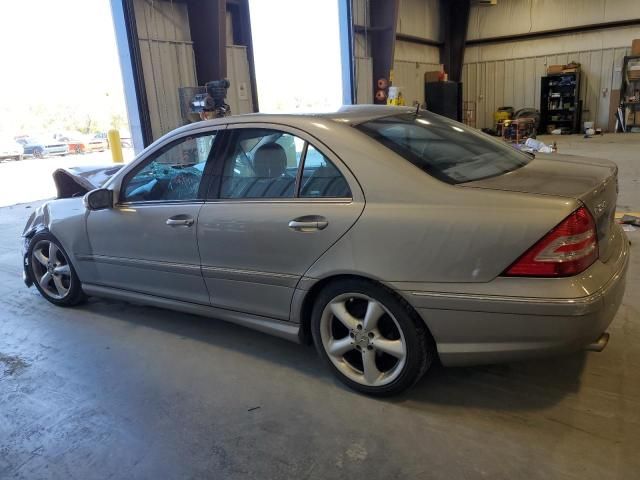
[
  {"x": 252, "y": 259},
  {"x": 256, "y": 235},
  {"x": 134, "y": 248},
  {"x": 148, "y": 242}
]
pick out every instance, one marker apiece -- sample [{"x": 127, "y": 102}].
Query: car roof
[{"x": 348, "y": 114}]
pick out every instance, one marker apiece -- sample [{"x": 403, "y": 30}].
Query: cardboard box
[
  {"x": 430, "y": 77},
  {"x": 433, "y": 76},
  {"x": 635, "y": 47},
  {"x": 554, "y": 69}
]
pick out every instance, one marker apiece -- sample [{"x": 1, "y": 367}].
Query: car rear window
[{"x": 447, "y": 150}]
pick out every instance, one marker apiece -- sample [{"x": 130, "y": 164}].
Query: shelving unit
[
  {"x": 630, "y": 92},
  {"x": 560, "y": 103}
]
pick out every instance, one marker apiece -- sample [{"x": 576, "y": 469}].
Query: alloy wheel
[
  {"x": 51, "y": 269},
  {"x": 363, "y": 339}
]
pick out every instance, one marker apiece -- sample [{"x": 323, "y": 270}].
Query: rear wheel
[
  {"x": 372, "y": 339},
  {"x": 52, "y": 271}
]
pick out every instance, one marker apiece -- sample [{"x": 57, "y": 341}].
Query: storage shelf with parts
[
  {"x": 630, "y": 92},
  {"x": 560, "y": 104}
]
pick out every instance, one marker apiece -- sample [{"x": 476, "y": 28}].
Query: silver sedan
[{"x": 387, "y": 237}]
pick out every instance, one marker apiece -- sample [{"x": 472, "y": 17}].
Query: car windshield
[{"x": 447, "y": 150}]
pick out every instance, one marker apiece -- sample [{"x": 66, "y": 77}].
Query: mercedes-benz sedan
[{"x": 387, "y": 237}]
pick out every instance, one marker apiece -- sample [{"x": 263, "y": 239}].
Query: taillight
[{"x": 568, "y": 249}]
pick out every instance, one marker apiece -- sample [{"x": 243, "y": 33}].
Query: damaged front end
[
  {"x": 36, "y": 223},
  {"x": 70, "y": 183},
  {"x": 77, "y": 181}
]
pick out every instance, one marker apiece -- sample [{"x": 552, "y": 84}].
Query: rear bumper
[{"x": 475, "y": 329}]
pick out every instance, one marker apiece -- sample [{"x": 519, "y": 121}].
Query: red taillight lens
[{"x": 568, "y": 249}]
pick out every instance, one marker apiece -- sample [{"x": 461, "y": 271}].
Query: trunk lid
[{"x": 593, "y": 182}]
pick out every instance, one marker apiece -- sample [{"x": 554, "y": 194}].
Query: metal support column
[
  {"x": 346, "y": 52},
  {"x": 124, "y": 23},
  {"x": 208, "y": 25},
  {"x": 454, "y": 21},
  {"x": 384, "y": 18}
]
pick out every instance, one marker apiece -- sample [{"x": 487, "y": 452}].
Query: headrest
[{"x": 270, "y": 161}]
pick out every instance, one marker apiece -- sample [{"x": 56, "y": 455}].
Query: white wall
[{"x": 508, "y": 74}]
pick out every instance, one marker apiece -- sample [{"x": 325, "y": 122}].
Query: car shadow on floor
[
  {"x": 529, "y": 385},
  {"x": 524, "y": 385}
]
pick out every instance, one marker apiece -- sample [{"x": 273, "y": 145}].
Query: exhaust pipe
[{"x": 599, "y": 344}]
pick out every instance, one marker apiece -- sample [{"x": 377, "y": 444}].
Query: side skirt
[{"x": 278, "y": 328}]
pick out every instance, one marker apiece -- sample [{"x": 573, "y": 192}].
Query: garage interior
[{"x": 116, "y": 390}]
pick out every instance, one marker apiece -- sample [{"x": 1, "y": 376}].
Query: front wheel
[
  {"x": 373, "y": 340},
  {"x": 52, "y": 271}
]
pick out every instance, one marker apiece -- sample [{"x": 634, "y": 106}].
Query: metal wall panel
[
  {"x": 239, "y": 94},
  {"x": 167, "y": 59},
  {"x": 409, "y": 76},
  {"x": 512, "y": 17},
  {"x": 360, "y": 12},
  {"x": 515, "y": 82},
  {"x": 420, "y": 18},
  {"x": 364, "y": 80}
]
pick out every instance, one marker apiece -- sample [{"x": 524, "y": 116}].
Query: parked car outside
[
  {"x": 10, "y": 149},
  {"x": 75, "y": 142},
  {"x": 97, "y": 144},
  {"x": 32, "y": 146},
  {"x": 387, "y": 237},
  {"x": 56, "y": 147}
]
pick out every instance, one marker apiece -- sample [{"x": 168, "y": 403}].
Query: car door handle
[
  {"x": 180, "y": 221},
  {"x": 309, "y": 223}
]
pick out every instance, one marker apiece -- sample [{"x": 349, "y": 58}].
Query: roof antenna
[{"x": 417, "y": 108}]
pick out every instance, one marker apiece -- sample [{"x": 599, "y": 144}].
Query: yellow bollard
[{"x": 115, "y": 145}]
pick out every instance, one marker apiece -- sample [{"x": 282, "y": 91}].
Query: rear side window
[
  {"x": 262, "y": 164},
  {"x": 265, "y": 163},
  {"x": 447, "y": 150},
  {"x": 320, "y": 177}
]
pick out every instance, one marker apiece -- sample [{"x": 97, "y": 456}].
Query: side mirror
[{"x": 98, "y": 199}]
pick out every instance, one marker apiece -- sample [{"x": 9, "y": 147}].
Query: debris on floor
[
  {"x": 629, "y": 222},
  {"x": 535, "y": 146}
]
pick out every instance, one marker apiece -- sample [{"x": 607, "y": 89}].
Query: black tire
[
  {"x": 75, "y": 295},
  {"x": 420, "y": 347}
]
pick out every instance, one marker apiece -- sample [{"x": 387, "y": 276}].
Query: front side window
[
  {"x": 174, "y": 174},
  {"x": 447, "y": 150}
]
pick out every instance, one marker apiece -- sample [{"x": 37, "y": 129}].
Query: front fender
[
  {"x": 36, "y": 223},
  {"x": 66, "y": 220}
]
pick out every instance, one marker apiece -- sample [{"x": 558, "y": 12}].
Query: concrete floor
[{"x": 111, "y": 390}]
